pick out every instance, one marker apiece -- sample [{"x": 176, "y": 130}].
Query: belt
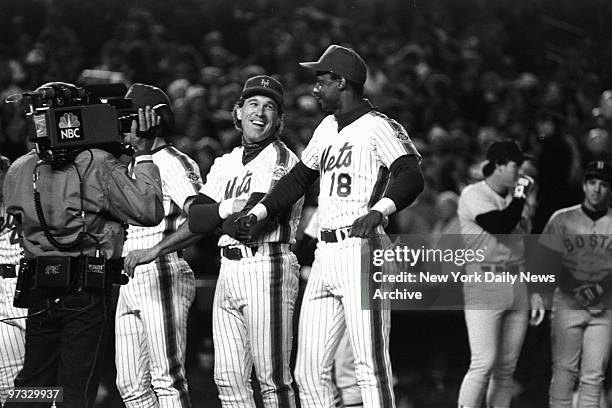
[
  {"x": 8, "y": 271},
  {"x": 336, "y": 235},
  {"x": 513, "y": 269},
  {"x": 237, "y": 252}
]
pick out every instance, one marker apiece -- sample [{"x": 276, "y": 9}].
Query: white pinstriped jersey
[
  {"x": 477, "y": 199},
  {"x": 354, "y": 164},
  {"x": 586, "y": 245},
  {"x": 230, "y": 178},
  {"x": 181, "y": 179},
  {"x": 9, "y": 253}
]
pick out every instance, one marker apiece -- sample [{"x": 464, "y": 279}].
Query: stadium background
[{"x": 456, "y": 73}]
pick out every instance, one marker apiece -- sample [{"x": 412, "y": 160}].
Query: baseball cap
[
  {"x": 599, "y": 169},
  {"x": 264, "y": 85},
  {"x": 342, "y": 61},
  {"x": 505, "y": 149},
  {"x": 143, "y": 95}
]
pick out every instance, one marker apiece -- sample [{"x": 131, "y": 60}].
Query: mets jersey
[
  {"x": 585, "y": 245},
  {"x": 477, "y": 199},
  {"x": 353, "y": 164},
  {"x": 230, "y": 178},
  {"x": 181, "y": 179}
]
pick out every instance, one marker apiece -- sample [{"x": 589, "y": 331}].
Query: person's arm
[
  {"x": 285, "y": 192},
  {"x": 138, "y": 200},
  {"x": 502, "y": 221},
  {"x": 406, "y": 184}
]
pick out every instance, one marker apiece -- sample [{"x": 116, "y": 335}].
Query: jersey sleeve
[
  {"x": 215, "y": 180},
  {"x": 473, "y": 203},
  {"x": 390, "y": 140},
  {"x": 311, "y": 154},
  {"x": 181, "y": 178},
  {"x": 551, "y": 235}
]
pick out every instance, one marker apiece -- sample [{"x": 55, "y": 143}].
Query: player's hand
[
  {"x": 242, "y": 227},
  {"x": 523, "y": 185},
  {"x": 138, "y": 257},
  {"x": 364, "y": 226},
  {"x": 588, "y": 294},
  {"x": 537, "y": 309}
]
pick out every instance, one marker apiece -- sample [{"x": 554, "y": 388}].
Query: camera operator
[{"x": 71, "y": 221}]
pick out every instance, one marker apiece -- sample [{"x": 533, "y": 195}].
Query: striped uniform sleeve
[
  {"x": 215, "y": 180},
  {"x": 310, "y": 155},
  {"x": 182, "y": 177},
  {"x": 276, "y": 168},
  {"x": 390, "y": 140}
]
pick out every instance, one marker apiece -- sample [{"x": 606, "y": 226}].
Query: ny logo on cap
[
  {"x": 265, "y": 82},
  {"x": 600, "y": 165}
]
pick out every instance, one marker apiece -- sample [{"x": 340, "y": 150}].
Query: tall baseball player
[
  {"x": 12, "y": 332},
  {"x": 575, "y": 242},
  {"x": 496, "y": 314},
  {"x": 353, "y": 152},
  {"x": 258, "y": 281},
  {"x": 151, "y": 317},
  {"x": 348, "y": 394}
]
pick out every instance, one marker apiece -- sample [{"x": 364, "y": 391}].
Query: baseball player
[
  {"x": 576, "y": 239},
  {"x": 151, "y": 316},
  {"x": 258, "y": 281},
  {"x": 12, "y": 332},
  {"x": 496, "y": 314},
  {"x": 348, "y": 394},
  {"x": 353, "y": 152}
]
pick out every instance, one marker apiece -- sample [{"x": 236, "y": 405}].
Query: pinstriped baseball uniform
[
  {"x": 353, "y": 165},
  {"x": 12, "y": 333},
  {"x": 151, "y": 318},
  {"x": 255, "y": 296}
]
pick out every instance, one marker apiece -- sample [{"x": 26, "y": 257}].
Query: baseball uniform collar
[
  {"x": 345, "y": 119},
  {"x": 251, "y": 150},
  {"x": 594, "y": 215}
]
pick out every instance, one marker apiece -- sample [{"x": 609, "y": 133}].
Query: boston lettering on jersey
[
  {"x": 593, "y": 242},
  {"x": 331, "y": 162},
  {"x": 243, "y": 187}
]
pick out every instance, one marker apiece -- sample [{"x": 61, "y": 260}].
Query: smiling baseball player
[
  {"x": 258, "y": 280},
  {"x": 12, "y": 332},
  {"x": 577, "y": 238},
  {"x": 353, "y": 152}
]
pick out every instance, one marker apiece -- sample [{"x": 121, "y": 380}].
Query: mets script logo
[
  {"x": 69, "y": 127},
  {"x": 235, "y": 189},
  {"x": 343, "y": 159}
]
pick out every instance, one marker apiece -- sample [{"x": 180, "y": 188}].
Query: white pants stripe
[
  {"x": 332, "y": 304},
  {"x": 252, "y": 321},
  {"x": 12, "y": 337},
  {"x": 150, "y": 334}
]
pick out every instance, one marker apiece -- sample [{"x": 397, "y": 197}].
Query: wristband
[
  {"x": 260, "y": 211},
  {"x": 385, "y": 206}
]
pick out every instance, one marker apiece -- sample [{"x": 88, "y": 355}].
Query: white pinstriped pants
[
  {"x": 252, "y": 323},
  {"x": 332, "y": 304},
  {"x": 12, "y": 337},
  {"x": 150, "y": 334}
]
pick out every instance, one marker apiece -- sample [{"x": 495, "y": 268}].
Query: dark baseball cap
[
  {"x": 599, "y": 169},
  {"x": 264, "y": 85},
  {"x": 143, "y": 95},
  {"x": 506, "y": 149},
  {"x": 342, "y": 61}
]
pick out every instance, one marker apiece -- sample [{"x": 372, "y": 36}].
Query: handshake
[
  {"x": 240, "y": 228},
  {"x": 523, "y": 185}
]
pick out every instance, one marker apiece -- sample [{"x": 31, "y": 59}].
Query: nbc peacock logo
[{"x": 69, "y": 127}]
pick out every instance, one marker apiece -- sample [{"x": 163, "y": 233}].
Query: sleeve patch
[
  {"x": 278, "y": 172},
  {"x": 193, "y": 177}
]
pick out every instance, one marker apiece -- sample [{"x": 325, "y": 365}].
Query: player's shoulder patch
[
  {"x": 278, "y": 172},
  {"x": 193, "y": 177}
]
